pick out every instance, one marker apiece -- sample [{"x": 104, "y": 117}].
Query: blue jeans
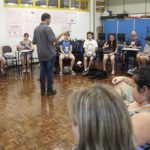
[{"x": 47, "y": 74}]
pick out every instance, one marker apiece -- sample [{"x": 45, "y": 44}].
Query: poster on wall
[
  {"x": 14, "y": 21},
  {"x": 31, "y": 19},
  {"x": 14, "y": 31},
  {"x": 57, "y": 17},
  {"x": 20, "y": 21}
]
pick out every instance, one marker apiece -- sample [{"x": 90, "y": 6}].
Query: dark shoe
[
  {"x": 51, "y": 93},
  {"x": 43, "y": 93}
]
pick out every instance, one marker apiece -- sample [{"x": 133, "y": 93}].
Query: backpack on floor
[
  {"x": 78, "y": 67},
  {"x": 97, "y": 74}
]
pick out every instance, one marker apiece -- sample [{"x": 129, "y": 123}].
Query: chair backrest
[
  {"x": 6, "y": 49},
  {"x": 121, "y": 37}
]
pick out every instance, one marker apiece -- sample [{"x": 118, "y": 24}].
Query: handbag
[{"x": 107, "y": 50}]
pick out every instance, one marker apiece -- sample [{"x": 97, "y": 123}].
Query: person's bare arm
[
  {"x": 141, "y": 127},
  {"x": 105, "y": 45},
  {"x": 19, "y": 47},
  {"x": 57, "y": 38},
  {"x": 32, "y": 47},
  {"x": 52, "y": 38},
  {"x": 61, "y": 50},
  {"x": 70, "y": 49},
  {"x": 119, "y": 79},
  {"x": 128, "y": 46},
  {"x": 138, "y": 47}
]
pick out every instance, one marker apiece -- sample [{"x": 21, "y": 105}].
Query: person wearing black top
[{"x": 109, "y": 50}]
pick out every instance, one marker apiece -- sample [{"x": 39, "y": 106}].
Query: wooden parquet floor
[{"x": 31, "y": 122}]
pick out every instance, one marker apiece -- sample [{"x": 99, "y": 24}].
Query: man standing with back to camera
[{"x": 44, "y": 38}]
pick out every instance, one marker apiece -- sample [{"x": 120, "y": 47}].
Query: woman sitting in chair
[
  {"x": 109, "y": 50},
  {"x": 26, "y": 44},
  {"x": 142, "y": 58},
  {"x": 139, "y": 90}
]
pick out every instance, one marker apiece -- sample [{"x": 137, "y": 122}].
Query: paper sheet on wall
[
  {"x": 14, "y": 23},
  {"x": 20, "y": 21}
]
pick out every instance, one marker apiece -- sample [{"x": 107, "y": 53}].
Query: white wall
[
  {"x": 78, "y": 30},
  {"x": 130, "y": 6},
  {"x": 2, "y": 24}
]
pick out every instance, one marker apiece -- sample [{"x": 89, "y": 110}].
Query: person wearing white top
[
  {"x": 142, "y": 58},
  {"x": 90, "y": 46}
]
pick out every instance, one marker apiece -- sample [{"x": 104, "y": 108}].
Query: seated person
[
  {"x": 109, "y": 50},
  {"x": 2, "y": 62},
  {"x": 66, "y": 53},
  {"x": 90, "y": 46},
  {"x": 142, "y": 58},
  {"x": 2, "y": 65},
  {"x": 140, "y": 87},
  {"x": 133, "y": 42},
  {"x": 100, "y": 120},
  {"x": 26, "y": 44},
  {"x": 141, "y": 128}
]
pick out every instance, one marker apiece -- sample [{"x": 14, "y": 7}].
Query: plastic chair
[{"x": 11, "y": 60}]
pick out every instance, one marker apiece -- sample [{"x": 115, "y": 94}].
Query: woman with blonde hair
[{"x": 100, "y": 120}]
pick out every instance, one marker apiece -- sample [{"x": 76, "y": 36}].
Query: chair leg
[{"x": 31, "y": 65}]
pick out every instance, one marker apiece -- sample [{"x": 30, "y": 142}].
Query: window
[
  {"x": 64, "y": 3},
  {"x": 53, "y": 3},
  {"x": 85, "y": 4},
  {"x": 49, "y": 4},
  {"x": 74, "y": 3},
  {"x": 27, "y": 2},
  {"x": 100, "y": 5},
  {"x": 11, "y": 2},
  {"x": 40, "y": 2}
]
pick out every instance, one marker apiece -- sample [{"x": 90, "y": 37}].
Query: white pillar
[{"x": 92, "y": 15}]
